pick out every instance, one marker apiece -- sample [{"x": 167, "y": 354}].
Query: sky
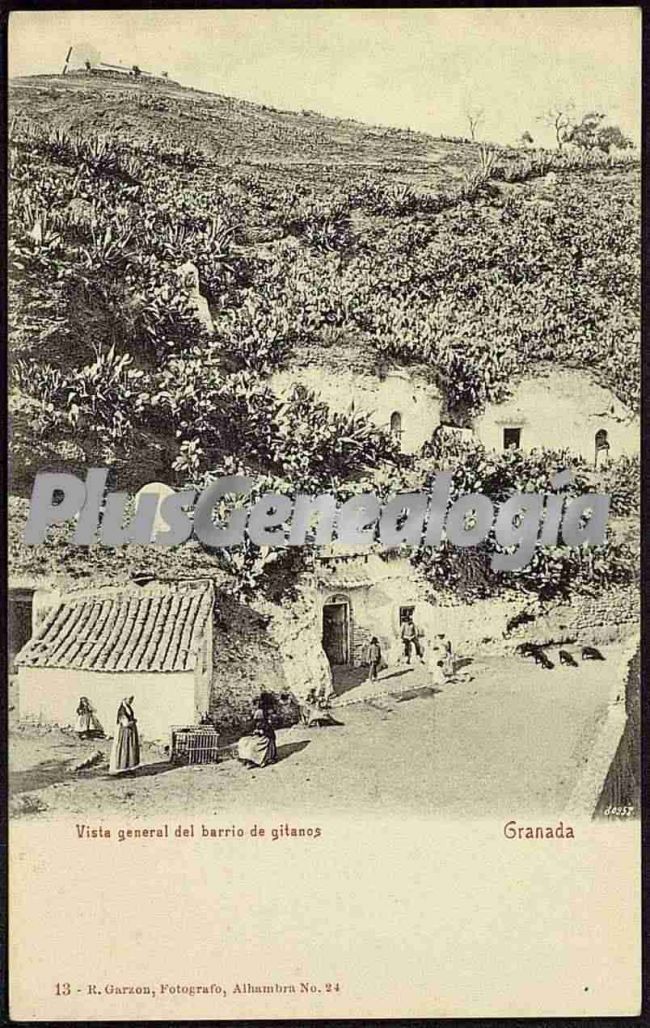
[{"x": 418, "y": 68}]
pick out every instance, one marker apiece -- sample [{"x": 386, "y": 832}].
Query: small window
[
  {"x": 602, "y": 448},
  {"x": 406, "y": 614},
  {"x": 602, "y": 441},
  {"x": 511, "y": 437},
  {"x": 396, "y": 424}
]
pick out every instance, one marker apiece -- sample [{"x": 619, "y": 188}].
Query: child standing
[{"x": 374, "y": 658}]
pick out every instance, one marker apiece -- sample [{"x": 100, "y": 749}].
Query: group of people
[
  {"x": 125, "y": 752},
  {"x": 411, "y": 638},
  {"x": 258, "y": 748},
  {"x": 412, "y": 643}
]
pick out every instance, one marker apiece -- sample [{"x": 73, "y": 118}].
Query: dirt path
[{"x": 510, "y": 742}]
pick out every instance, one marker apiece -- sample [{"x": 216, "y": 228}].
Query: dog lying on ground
[
  {"x": 540, "y": 658},
  {"x": 591, "y": 653},
  {"x": 566, "y": 658}
]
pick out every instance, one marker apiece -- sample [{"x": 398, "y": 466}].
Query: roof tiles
[{"x": 132, "y": 629}]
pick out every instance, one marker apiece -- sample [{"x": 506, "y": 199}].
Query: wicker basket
[{"x": 193, "y": 744}]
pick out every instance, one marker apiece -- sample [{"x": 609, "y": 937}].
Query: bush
[
  {"x": 553, "y": 571},
  {"x": 622, "y": 482},
  {"x": 99, "y": 400}
]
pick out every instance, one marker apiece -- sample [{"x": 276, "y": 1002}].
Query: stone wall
[
  {"x": 611, "y": 773},
  {"x": 611, "y": 616},
  {"x": 474, "y": 627}
]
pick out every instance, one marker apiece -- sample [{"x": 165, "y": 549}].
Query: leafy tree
[
  {"x": 612, "y": 136},
  {"x": 585, "y": 134}
]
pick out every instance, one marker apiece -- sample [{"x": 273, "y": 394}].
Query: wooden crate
[{"x": 193, "y": 744}]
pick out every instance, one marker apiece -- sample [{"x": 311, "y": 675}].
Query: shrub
[
  {"x": 553, "y": 571},
  {"x": 622, "y": 482}
]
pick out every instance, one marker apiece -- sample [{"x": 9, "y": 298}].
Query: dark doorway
[
  {"x": 336, "y": 633},
  {"x": 601, "y": 439},
  {"x": 511, "y": 437},
  {"x": 19, "y": 622}
]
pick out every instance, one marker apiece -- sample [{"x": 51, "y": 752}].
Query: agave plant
[
  {"x": 41, "y": 225},
  {"x": 487, "y": 161},
  {"x": 175, "y": 239},
  {"x": 471, "y": 184},
  {"x": 59, "y": 143},
  {"x": 401, "y": 198},
  {"x": 218, "y": 235},
  {"x": 109, "y": 247}
]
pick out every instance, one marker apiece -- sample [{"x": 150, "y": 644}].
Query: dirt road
[{"x": 511, "y": 741}]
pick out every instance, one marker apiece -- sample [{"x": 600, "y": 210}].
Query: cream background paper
[{"x": 410, "y": 918}]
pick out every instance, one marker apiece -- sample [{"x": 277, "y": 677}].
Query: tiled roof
[{"x": 123, "y": 629}]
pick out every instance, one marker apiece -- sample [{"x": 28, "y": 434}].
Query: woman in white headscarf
[{"x": 125, "y": 753}]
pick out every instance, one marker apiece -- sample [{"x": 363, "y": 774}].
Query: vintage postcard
[{"x": 324, "y": 340}]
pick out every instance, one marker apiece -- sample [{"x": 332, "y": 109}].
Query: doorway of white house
[{"x": 336, "y": 632}]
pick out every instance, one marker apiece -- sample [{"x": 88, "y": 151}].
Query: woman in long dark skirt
[
  {"x": 125, "y": 754},
  {"x": 259, "y": 748}
]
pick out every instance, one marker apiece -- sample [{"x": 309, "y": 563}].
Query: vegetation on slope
[{"x": 304, "y": 231}]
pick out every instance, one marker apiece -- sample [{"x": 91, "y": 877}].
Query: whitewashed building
[
  {"x": 400, "y": 401},
  {"x": 561, "y": 408},
  {"x": 153, "y": 642}
]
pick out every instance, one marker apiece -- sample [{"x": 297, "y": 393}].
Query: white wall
[
  {"x": 418, "y": 402},
  {"x": 562, "y": 410},
  {"x": 375, "y": 611},
  {"x": 161, "y": 699}
]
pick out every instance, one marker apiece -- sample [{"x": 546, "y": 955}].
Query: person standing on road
[
  {"x": 125, "y": 754},
  {"x": 87, "y": 725},
  {"x": 374, "y": 658},
  {"x": 411, "y": 639}
]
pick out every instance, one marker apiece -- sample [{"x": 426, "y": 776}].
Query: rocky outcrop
[{"x": 296, "y": 631}]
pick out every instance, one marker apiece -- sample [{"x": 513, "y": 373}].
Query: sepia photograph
[{"x": 324, "y": 437}]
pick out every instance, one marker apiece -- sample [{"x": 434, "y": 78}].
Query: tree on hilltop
[
  {"x": 475, "y": 117},
  {"x": 560, "y": 118}
]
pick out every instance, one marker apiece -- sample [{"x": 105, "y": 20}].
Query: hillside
[
  {"x": 314, "y": 238},
  {"x": 232, "y": 132}
]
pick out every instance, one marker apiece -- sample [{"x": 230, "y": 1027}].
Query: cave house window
[
  {"x": 511, "y": 438},
  {"x": 396, "y": 426}
]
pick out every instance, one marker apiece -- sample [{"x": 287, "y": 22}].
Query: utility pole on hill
[{"x": 65, "y": 66}]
